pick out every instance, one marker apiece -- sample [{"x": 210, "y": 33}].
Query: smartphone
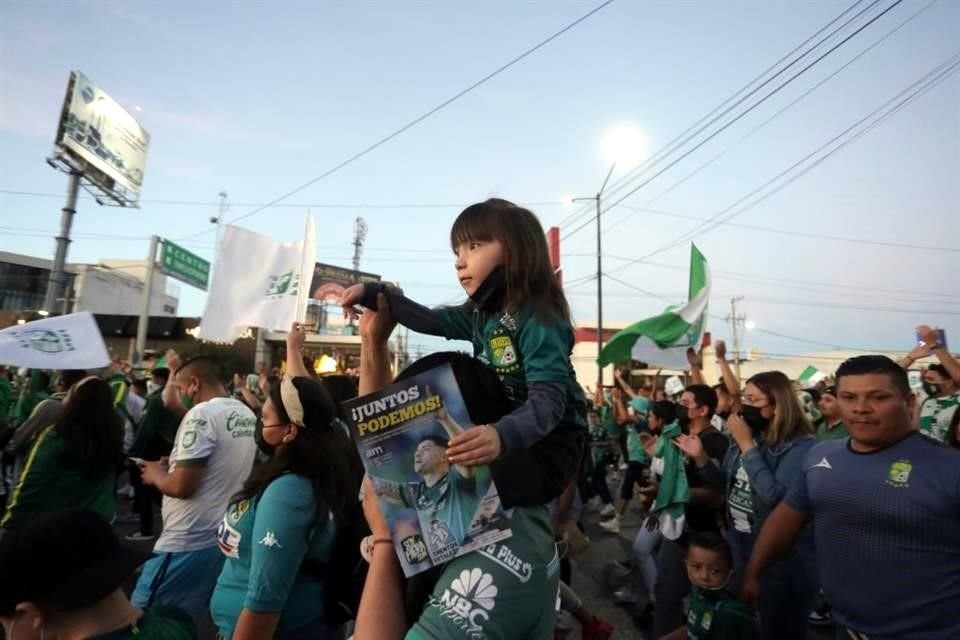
[{"x": 941, "y": 338}]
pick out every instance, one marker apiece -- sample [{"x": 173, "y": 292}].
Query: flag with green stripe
[{"x": 663, "y": 340}]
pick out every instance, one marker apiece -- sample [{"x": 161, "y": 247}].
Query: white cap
[{"x": 673, "y": 386}]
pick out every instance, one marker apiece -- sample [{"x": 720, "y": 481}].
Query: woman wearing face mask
[
  {"x": 770, "y": 438},
  {"x": 74, "y": 462},
  {"x": 286, "y": 519}
]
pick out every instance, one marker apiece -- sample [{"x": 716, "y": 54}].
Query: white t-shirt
[{"x": 217, "y": 434}]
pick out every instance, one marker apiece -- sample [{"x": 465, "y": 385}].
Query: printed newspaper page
[{"x": 436, "y": 510}]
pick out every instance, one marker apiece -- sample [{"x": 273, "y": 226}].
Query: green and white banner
[
  {"x": 811, "y": 377},
  {"x": 258, "y": 282},
  {"x": 63, "y": 342},
  {"x": 663, "y": 340}
]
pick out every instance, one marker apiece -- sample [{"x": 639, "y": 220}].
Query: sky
[{"x": 257, "y": 99}]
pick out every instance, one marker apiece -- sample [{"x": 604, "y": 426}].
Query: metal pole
[
  {"x": 145, "y": 303},
  {"x": 599, "y": 294},
  {"x": 55, "y": 286},
  {"x": 736, "y": 338}
]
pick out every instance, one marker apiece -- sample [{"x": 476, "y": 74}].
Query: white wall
[{"x": 111, "y": 291}]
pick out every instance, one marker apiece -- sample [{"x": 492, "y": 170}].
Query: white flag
[
  {"x": 62, "y": 342},
  {"x": 258, "y": 283}
]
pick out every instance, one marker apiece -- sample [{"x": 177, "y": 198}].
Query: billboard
[
  {"x": 98, "y": 132},
  {"x": 329, "y": 282}
]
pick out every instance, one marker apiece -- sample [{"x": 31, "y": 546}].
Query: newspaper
[{"x": 436, "y": 510}]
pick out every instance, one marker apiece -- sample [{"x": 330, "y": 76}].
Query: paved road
[{"x": 595, "y": 578}]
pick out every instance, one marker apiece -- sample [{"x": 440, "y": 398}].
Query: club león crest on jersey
[
  {"x": 899, "y": 474},
  {"x": 469, "y": 600},
  {"x": 503, "y": 353},
  {"x": 46, "y": 340}
]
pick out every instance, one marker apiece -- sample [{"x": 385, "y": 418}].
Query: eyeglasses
[{"x": 754, "y": 401}]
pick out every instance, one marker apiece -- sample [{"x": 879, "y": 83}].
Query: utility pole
[
  {"x": 597, "y": 200},
  {"x": 218, "y": 220},
  {"x": 145, "y": 302},
  {"x": 359, "y": 236},
  {"x": 735, "y": 320},
  {"x": 55, "y": 286}
]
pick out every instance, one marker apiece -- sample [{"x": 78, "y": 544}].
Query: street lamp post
[{"x": 597, "y": 199}]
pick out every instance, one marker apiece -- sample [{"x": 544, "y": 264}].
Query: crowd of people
[{"x": 767, "y": 506}]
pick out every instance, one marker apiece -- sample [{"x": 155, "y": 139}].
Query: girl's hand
[
  {"x": 475, "y": 446},
  {"x": 350, "y": 299}
]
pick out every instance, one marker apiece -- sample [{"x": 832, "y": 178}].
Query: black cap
[{"x": 65, "y": 560}]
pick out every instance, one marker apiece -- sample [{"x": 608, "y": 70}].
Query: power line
[
  {"x": 670, "y": 146},
  {"x": 932, "y": 78},
  {"x": 423, "y": 117},
  {"x": 766, "y": 331},
  {"x": 314, "y": 205},
  {"x": 741, "y": 115},
  {"x": 773, "y": 117}
]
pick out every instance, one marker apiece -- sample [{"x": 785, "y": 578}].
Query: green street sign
[{"x": 177, "y": 262}]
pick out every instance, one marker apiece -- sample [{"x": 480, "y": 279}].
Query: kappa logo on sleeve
[
  {"x": 270, "y": 541},
  {"x": 468, "y": 601}
]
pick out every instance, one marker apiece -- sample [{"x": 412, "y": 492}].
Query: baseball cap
[{"x": 64, "y": 560}]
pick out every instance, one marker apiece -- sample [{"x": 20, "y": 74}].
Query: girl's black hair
[
  {"x": 322, "y": 452},
  {"x": 90, "y": 427},
  {"x": 526, "y": 259}
]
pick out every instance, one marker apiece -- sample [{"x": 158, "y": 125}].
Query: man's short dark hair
[
  {"x": 712, "y": 541},
  {"x": 161, "y": 372},
  {"x": 866, "y": 365},
  {"x": 435, "y": 439},
  {"x": 705, "y": 397},
  {"x": 942, "y": 370},
  {"x": 665, "y": 410},
  {"x": 206, "y": 368}
]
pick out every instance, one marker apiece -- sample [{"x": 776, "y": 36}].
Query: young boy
[{"x": 714, "y": 613}]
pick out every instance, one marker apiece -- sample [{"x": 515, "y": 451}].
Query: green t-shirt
[
  {"x": 158, "y": 429},
  {"x": 157, "y": 623},
  {"x": 609, "y": 422},
  {"x": 836, "y": 432},
  {"x": 717, "y": 615},
  {"x": 506, "y": 590},
  {"x": 599, "y": 444},
  {"x": 53, "y": 480},
  {"x": 6, "y": 398},
  {"x": 444, "y": 510},
  {"x": 936, "y": 414},
  {"x": 265, "y": 541},
  {"x": 522, "y": 350}
]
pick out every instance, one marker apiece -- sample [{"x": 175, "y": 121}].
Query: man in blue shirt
[{"x": 885, "y": 507}]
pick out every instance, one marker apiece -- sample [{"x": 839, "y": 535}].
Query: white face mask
[{"x": 153, "y": 387}]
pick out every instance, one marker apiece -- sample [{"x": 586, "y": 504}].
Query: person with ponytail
[
  {"x": 287, "y": 516},
  {"x": 770, "y": 437}
]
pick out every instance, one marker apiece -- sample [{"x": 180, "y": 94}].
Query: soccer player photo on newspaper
[{"x": 436, "y": 510}]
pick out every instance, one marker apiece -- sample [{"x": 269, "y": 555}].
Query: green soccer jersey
[
  {"x": 522, "y": 350},
  {"x": 835, "y": 432},
  {"x": 599, "y": 444},
  {"x": 717, "y": 615},
  {"x": 504, "y": 591},
  {"x": 935, "y": 415},
  {"x": 51, "y": 479},
  {"x": 157, "y": 623},
  {"x": 445, "y": 509}
]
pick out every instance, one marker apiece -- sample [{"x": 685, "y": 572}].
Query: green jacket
[{"x": 52, "y": 480}]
